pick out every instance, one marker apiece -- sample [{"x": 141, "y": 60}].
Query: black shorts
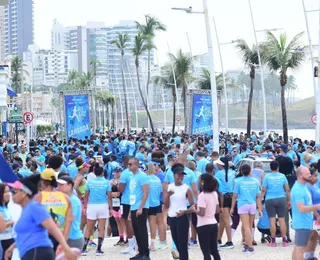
[
  {"x": 125, "y": 211},
  {"x": 153, "y": 211},
  {"x": 39, "y": 253},
  {"x": 227, "y": 200}
]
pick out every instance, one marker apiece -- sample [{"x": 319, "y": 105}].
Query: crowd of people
[{"x": 137, "y": 186}]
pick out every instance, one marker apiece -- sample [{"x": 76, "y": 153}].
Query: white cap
[{"x": 218, "y": 162}]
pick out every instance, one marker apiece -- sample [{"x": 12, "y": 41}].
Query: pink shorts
[{"x": 247, "y": 209}]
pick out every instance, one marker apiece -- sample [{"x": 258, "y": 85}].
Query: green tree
[
  {"x": 249, "y": 57},
  {"x": 121, "y": 42},
  {"x": 107, "y": 100},
  {"x": 182, "y": 64},
  {"x": 84, "y": 81},
  {"x": 280, "y": 55},
  {"x": 140, "y": 47},
  {"x": 16, "y": 74},
  {"x": 148, "y": 31}
]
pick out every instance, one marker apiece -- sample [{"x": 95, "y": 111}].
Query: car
[{"x": 252, "y": 161}]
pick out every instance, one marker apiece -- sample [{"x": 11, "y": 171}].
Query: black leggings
[
  {"x": 39, "y": 253},
  {"x": 179, "y": 227},
  {"x": 208, "y": 241},
  {"x": 5, "y": 245}
]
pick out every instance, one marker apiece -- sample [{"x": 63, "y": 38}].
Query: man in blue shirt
[
  {"x": 40, "y": 160},
  {"x": 139, "y": 191},
  {"x": 302, "y": 208},
  {"x": 201, "y": 162}
]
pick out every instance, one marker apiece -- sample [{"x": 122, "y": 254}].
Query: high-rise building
[
  {"x": 58, "y": 39},
  {"x": 18, "y": 27},
  {"x": 129, "y": 68}
]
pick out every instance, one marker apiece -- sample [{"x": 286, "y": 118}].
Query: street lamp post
[
  {"x": 215, "y": 120},
  {"x": 261, "y": 74}
]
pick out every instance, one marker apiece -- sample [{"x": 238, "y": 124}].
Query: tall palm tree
[
  {"x": 182, "y": 64},
  {"x": 140, "y": 47},
  {"x": 72, "y": 77},
  {"x": 148, "y": 31},
  {"x": 280, "y": 56},
  {"x": 94, "y": 64},
  {"x": 84, "y": 80},
  {"x": 122, "y": 43},
  {"x": 249, "y": 57},
  {"x": 107, "y": 100},
  {"x": 166, "y": 81},
  {"x": 16, "y": 73}
]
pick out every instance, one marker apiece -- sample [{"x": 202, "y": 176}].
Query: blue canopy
[{"x": 10, "y": 91}]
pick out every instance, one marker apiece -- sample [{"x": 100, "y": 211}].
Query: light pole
[
  {"x": 316, "y": 89},
  {"x": 215, "y": 120},
  {"x": 223, "y": 79},
  {"x": 261, "y": 74}
]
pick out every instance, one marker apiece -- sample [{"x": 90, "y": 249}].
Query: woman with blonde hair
[{"x": 155, "y": 206}]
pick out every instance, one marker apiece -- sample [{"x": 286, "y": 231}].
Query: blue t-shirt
[
  {"x": 274, "y": 183},
  {"x": 201, "y": 165},
  {"x": 125, "y": 178},
  {"x": 111, "y": 166},
  {"x": 7, "y": 234},
  {"x": 315, "y": 195},
  {"x": 301, "y": 194},
  {"x": 155, "y": 191},
  {"x": 75, "y": 231},
  {"x": 41, "y": 159},
  {"x": 136, "y": 193},
  {"x": 30, "y": 233},
  {"x": 131, "y": 148},
  {"x": 247, "y": 189},
  {"x": 237, "y": 159},
  {"x": 226, "y": 186},
  {"x": 98, "y": 188},
  {"x": 72, "y": 170}
]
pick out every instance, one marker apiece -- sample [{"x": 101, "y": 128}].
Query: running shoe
[
  {"x": 193, "y": 243},
  {"x": 152, "y": 247},
  {"x": 285, "y": 244},
  {"x": 119, "y": 243},
  {"x": 228, "y": 245},
  {"x": 248, "y": 250},
  {"x": 128, "y": 251},
  {"x": 272, "y": 244},
  {"x": 175, "y": 254},
  {"x": 92, "y": 244},
  {"x": 99, "y": 252},
  {"x": 136, "y": 257},
  {"x": 162, "y": 246},
  {"x": 84, "y": 252},
  {"x": 263, "y": 240}
]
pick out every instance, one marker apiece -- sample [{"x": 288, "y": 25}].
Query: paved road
[{"x": 262, "y": 251}]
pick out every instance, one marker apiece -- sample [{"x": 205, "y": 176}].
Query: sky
[{"x": 232, "y": 19}]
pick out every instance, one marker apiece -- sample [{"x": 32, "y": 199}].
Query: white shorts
[{"x": 97, "y": 211}]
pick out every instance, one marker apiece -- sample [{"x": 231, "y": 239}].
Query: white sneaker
[{"x": 128, "y": 251}]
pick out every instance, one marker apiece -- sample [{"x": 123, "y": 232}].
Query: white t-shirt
[{"x": 178, "y": 200}]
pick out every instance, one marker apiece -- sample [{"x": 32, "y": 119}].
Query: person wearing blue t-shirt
[
  {"x": 201, "y": 162},
  {"x": 139, "y": 192},
  {"x": 141, "y": 155},
  {"x": 40, "y": 160},
  {"x": 302, "y": 208},
  {"x": 32, "y": 237},
  {"x": 247, "y": 192},
  {"x": 236, "y": 157},
  {"x": 112, "y": 164},
  {"x": 75, "y": 239},
  {"x": 131, "y": 146},
  {"x": 124, "y": 188},
  {"x": 98, "y": 206},
  {"x": 275, "y": 187}
]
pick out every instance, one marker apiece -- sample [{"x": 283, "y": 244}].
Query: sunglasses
[{"x": 14, "y": 191}]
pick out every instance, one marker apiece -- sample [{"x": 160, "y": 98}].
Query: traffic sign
[
  {"x": 27, "y": 117},
  {"x": 15, "y": 115},
  {"x": 314, "y": 119},
  {"x": 178, "y": 118}
]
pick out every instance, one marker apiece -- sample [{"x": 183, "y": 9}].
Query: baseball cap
[
  {"x": 48, "y": 174},
  {"x": 178, "y": 169},
  {"x": 65, "y": 180},
  {"x": 29, "y": 185},
  {"x": 87, "y": 165},
  {"x": 118, "y": 169},
  {"x": 218, "y": 162},
  {"x": 284, "y": 148}
]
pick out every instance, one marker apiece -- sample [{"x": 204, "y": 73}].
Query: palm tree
[
  {"x": 281, "y": 56},
  {"x": 72, "y": 77},
  {"x": 16, "y": 73},
  {"x": 148, "y": 31},
  {"x": 182, "y": 64},
  {"x": 107, "y": 99},
  {"x": 249, "y": 57},
  {"x": 140, "y": 47},
  {"x": 84, "y": 81},
  {"x": 165, "y": 81},
  {"x": 122, "y": 42},
  {"x": 94, "y": 64}
]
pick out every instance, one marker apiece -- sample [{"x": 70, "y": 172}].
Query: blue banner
[
  {"x": 6, "y": 173},
  {"x": 77, "y": 116},
  {"x": 202, "y": 115}
]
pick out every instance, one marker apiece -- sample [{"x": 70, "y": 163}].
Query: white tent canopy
[{"x": 41, "y": 122}]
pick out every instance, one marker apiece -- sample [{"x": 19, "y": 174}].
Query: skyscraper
[{"x": 18, "y": 27}]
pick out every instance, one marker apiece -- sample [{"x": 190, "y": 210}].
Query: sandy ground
[{"x": 262, "y": 251}]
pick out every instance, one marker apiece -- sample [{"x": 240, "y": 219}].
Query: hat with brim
[
  {"x": 20, "y": 186},
  {"x": 218, "y": 162},
  {"x": 178, "y": 170},
  {"x": 85, "y": 165},
  {"x": 65, "y": 180}
]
